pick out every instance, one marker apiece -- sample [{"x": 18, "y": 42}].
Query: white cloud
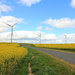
[
  {"x": 3, "y": 29},
  {"x": 39, "y": 28},
  {"x": 58, "y": 41},
  {"x": 29, "y": 2},
  {"x": 73, "y": 3},
  {"x": 70, "y": 38},
  {"x": 32, "y": 37},
  {"x": 26, "y": 36},
  {"x": 4, "y": 8},
  {"x": 49, "y": 36},
  {"x": 8, "y": 19},
  {"x": 61, "y": 23},
  {"x": 48, "y": 29}
]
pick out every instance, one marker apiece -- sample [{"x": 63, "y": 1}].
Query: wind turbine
[
  {"x": 65, "y": 38},
  {"x": 11, "y": 29},
  {"x": 40, "y": 35},
  {"x": 21, "y": 39},
  {"x": 54, "y": 40}
]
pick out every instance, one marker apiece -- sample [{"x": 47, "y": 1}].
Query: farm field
[
  {"x": 58, "y": 46},
  {"x": 64, "y": 47},
  {"x": 10, "y": 55},
  {"x": 14, "y": 60}
]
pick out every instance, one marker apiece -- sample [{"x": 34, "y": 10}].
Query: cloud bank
[
  {"x": 27, "y": 37},
  {"x": 33, "y": 37},
  {"x": 60, "y": 23}
]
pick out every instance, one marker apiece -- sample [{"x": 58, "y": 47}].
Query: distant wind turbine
[
  {"x": 54, "y": 40},
  {"x": 65, "y": 38},
  {"x": 11, "y": 29},
  {"x": 40, "y": 35},
  {"x": 21, "y": 39}
]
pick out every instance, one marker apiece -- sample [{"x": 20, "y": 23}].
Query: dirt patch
[
  {"x": 29, "y": 67},
  {"x": 32, "y": 57}
]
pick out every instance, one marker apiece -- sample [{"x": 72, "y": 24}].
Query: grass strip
[
  {"x": 22, "y": 67},
  {"x": 44, "y": 64}
]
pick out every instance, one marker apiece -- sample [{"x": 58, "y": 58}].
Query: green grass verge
[
  {"x": 44, "y": 64},
  {"x": 22, "y": 67}
]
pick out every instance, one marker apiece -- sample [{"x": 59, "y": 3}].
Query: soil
[{"x": 29, "y": 67}]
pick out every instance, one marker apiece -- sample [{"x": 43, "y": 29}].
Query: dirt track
[{"x": 62, "y": 55}]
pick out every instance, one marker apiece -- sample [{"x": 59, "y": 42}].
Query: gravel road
[{"x": 62, "y": 55}]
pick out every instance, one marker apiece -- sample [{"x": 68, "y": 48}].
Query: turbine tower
[
  {"x": 21, "y": 39},
  {"x": 39, "y": 38},
  {"x": 65, "y": 38},
  {"x": 11, "y": 29},
  {"x": 54, "y": 40},
  {"x": 40, "y": 35}
]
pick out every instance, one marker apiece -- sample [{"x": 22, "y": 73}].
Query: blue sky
[{"x": 49, "y": 16}]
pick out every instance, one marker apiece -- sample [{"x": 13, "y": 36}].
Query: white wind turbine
[
  {"x": 11, "y": 29},
  {"x": 40, "y": 37},
  {"x": 65, "y": 38}
]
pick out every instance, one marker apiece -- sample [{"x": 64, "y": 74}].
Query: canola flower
[
  {"x": 59, "y": 46},
  {"x": 10, "y": 53}
]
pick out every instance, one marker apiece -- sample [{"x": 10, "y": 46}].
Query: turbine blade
[
  {"x": 7, "y": 24},
  {"x": 16, "y": 23}
]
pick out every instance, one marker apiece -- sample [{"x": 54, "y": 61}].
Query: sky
[{"x": 52, "y": 19}]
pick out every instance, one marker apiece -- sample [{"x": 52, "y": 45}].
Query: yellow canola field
[
  {"x": 10, "y": 51},
  {"x": 60, "y": 46}
]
